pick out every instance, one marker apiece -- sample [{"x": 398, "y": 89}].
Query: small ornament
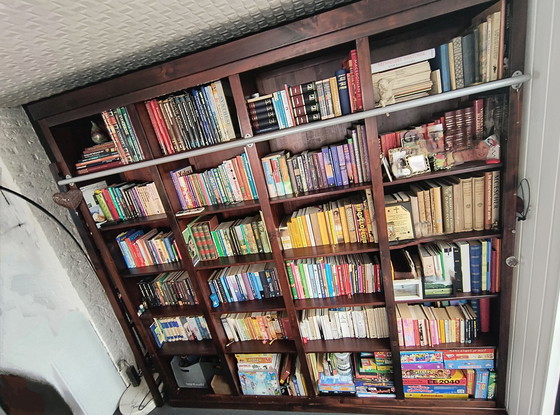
[
  {"x": 97, "y": 134},
  {"x": 70, "y": 199}
]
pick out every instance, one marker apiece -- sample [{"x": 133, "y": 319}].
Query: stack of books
[
  {"x": 182, "y": 328},
  {"x": 195, "y": 118},
  {"x": 142, "y": 249},
  {"x": 245, "y": 283},
  {"x": 334, "y": 276},
  {"x": 259, "y": 373},
  {"x": 335, "y": 165},
  {"x": 402, "y": 83},
  {"x": 99, "y": 157},
  {"x": 117, "y": 122},
  {"x": 478, "y": 367},
  {"x": 230, "y": 182},
  {"x": 168, "y": 288},
  {"x": 347, "y": 220},
  {"x": 373, "y": 375},
  {"x": 339, "y": 323},
  {"x": 449, "y": 374},
  {"x": 421, "y": 325},
  {"x": 263, "y": 326}
]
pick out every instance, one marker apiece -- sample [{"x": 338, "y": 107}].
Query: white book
[
  {"x": 464, "y": 250},
  {"x": 400, "y": 61}
]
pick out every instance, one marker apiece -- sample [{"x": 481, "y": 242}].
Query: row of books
[
  {"x": 98, "y": 157},
  {"x": 168, "y": 288},
  {"x": 230, "y": 182},
  {"x": 402, "y": 83},
  {"x": 117, "y": 121},
  {"x": 442, "y": 206},
  {"x": 463, "y": 266},
  {"x": 449, "y": 374},
  {"x": 207, "y": 239},
  {"x": 334, "y": 165},
  {"x": 474, "y": 57},
  {"x": 194, "y": 118},
  {"x": 421, "y": 325},
  {"x": 128, "y": 200},
  {"x": 142, "y": 249},
  {"x": 264, "y": 326},
  {"x": 349, "y": 220},
  {"x": 245, "y": 283},
  {"x": 348, "y": 322},
  {"x": 181, "y": 328},
  {"x": 334, "y": 276},
  {"x": 312, "y": 101}
]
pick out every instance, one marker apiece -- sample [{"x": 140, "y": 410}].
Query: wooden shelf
[
  {"x": 329, "y": 250},
  {"x": 230, "y": 261},
  {"x": 153, "y": 269},
  {"x": 172, "y": 311},
  {"x": 266, "y": 304},
  {"x": 456, "y": 297},
  {"x": 151, "y": 221},
  {"x": 471, "y": 167},
  {"x": 220, "y": 208},
  {"x": 374, "y": 299},
  {"x": 312, "y": 195},
  {"x": 257, "y": 346},
  {"x": 203, "y": 347},
  {"x": 448, "y": 237},
  {"x": 346, "y": 345},
  {"x": 485, "y": 340}
]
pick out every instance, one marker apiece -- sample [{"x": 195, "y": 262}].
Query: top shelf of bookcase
[{"x": 513, "y": 81}]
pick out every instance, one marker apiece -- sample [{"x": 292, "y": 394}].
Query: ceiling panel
[{"x": 50, "y": 46}]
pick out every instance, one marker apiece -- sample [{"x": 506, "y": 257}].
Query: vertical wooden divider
[
  {"x": 271, "y": 222},
  {"x": 240, "y": 106},
  {"x": 374, "y": 150},
  {"x": 214, "y": 325}
]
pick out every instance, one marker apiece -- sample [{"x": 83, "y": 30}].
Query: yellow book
[
  {"x": 302, "y": 229},
  {"x": 337, "y": 223},
  {"x": 351, "y": 221},
  {"x": 342, "y": 215},
  {"x": 294, "y": 231},
  {"x": 321, "y": 216},
  {"x": 330, "y": 223}
]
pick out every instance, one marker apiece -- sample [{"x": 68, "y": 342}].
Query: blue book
[
  {"x": 249, "y": 175},
  {"x": 481, "y": 384},
  {"x": 335, "y": 166},
  {"x": 468, "y": 58},
  {"x": 343, "y": 94},
  {"x": 475, "y": 251},
  {"x": 441, "y": 62},
  {"x": 329, "y": 171},
  {"x": 328, "y": 274}
]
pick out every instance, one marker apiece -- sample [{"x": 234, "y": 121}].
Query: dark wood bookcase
[{"x": 298, "y": 52}]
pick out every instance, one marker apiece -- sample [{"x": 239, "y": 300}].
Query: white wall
[
  {"x": 56, "y": 324},
  {"x": 535, "y": 364}
]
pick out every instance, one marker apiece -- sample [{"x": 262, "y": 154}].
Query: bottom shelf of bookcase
[{"x": 344, "y": 404}]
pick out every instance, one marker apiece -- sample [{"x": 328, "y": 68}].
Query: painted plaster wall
[{"x": 56, "y": 324}]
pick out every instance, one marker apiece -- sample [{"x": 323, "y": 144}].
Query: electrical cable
[{"x": 51, "y": 216}]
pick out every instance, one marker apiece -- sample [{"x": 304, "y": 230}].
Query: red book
[
  {"x": 157, "y": 128},
  {"x": 478, "y": 105},
  {"x": 357, "y": 80},
  {"x": 484, "y": 315},
  {"x": 100, "y": 167},
  {"x": 109, "y": 201}
]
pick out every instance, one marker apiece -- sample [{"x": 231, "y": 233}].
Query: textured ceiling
[{"x": 50, "y": 46}]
